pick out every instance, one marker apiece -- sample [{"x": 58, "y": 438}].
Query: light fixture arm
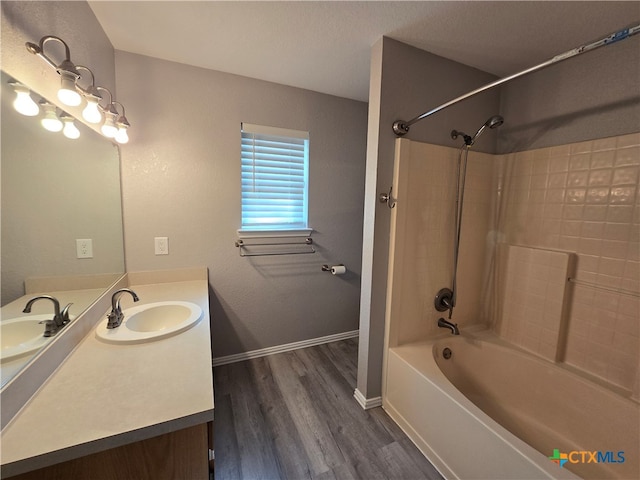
[
  {"x": 122, "y": 119},
  {"x": 93, "y": 78},
  {"x": 109, "y": 107},
  {"x": 91, "y": 89},
  {"x": 121, "y": 106},
  {"x": 39, "y": 51}
]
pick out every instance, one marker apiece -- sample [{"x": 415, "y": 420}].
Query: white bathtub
[{"x": 507, "y": 413}]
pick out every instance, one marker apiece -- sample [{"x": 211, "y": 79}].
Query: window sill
[{"x": 296, "y": 232}]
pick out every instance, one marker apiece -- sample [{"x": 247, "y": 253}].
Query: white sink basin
[
  {"x": 22, "y": 335},
  {"x": 152, "y": 321}
]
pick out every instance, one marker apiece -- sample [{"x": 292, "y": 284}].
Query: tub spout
[{"x": 442, "y": 323}]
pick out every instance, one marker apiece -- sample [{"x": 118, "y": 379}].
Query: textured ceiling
[{"x": 325, "y": 46}]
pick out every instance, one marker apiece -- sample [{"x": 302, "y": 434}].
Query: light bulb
[
  {"x": 123, "y": 124},
  {"x": 68, "y": 93},
  {"x": 51, "y": 121},
  {"x": 70, "y": 130},
  {"x": 109, "y": 128},
  {"x": 122, "y": 136},
  {"x": 24, "y": 104},
  {"x": 91, "y": 113}
]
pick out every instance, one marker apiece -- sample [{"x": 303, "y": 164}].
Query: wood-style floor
[{"x": 293, "y": 416}]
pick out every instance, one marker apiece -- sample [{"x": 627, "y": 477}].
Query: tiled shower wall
[{"x": 583, "y": 198}]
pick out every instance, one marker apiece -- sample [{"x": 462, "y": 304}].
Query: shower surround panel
[
  {"x": 422, "y": 232},
  {"x": 534, "y": 302},
  {"x": 579, "y": 199}
]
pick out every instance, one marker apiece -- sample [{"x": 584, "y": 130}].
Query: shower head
[{"x": 493, "y": 122}]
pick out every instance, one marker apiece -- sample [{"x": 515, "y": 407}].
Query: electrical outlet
[
  {"x": 162, "y": 245},
  {"x": 84, "y": 248}
]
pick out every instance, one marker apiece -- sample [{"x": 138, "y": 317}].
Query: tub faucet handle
[{"x": 444, "y": 300}]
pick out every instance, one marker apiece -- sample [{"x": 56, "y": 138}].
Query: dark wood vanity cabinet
[{"x": 183, "y": 454}]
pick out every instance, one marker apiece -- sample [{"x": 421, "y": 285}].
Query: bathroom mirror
[{"x": 55, "y": 191}]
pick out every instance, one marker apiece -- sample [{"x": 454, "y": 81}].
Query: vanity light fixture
[
  {"x": 70, "y": 130},
  {"x": 123, "y": 124},
  {"x": 71, "y": 93},
  {"x": 69, "y": 75},
  {"x": 50, "y": 121},
  {"x": 23, "y": 103},
  {"x": 91, "y": 112}
]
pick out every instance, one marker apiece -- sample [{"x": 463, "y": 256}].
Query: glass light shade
[
  {"x": 91, "y": 113},
  {"x": 122, "y": 136},
  {"x": 109, "y": 128},
  {"x": 24, "y": 104},
  {"x": 70, "y": 130},
  {"x": 51, "y": 121},
  {"x": 68, "y": 93}
]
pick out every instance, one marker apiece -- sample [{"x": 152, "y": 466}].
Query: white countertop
[{"x": 107, "y": 395}]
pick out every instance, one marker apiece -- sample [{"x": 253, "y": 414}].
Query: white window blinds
[{"x": 275, "y": 172}]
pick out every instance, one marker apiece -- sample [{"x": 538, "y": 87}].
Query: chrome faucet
[
  {"x": 60, "y": 318},
  {"x": 442, "y": 323},
  {"x": 116, "y": 316}
]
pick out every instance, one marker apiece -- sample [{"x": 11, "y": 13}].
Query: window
[{"x": 275, "y": 173}]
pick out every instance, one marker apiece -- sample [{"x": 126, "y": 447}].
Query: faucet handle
[
  {"x": 114, "y": 319},
  {"x": 50, "y": 328},
  {"x": 65, "y": 314}
]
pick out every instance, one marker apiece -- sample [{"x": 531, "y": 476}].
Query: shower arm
[{"x": 400, "y": 127}]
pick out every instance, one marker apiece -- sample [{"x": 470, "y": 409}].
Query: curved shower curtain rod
[{"x": 400, "y": 127}]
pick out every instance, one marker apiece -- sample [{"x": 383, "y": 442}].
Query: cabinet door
[{"x": 180, "y": 454}]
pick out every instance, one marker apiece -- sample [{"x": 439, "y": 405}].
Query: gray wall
[
  {"x": 181, "y": 179},
  {"x": 594, "y": 95},
  {"x": 405, "y": 82}
]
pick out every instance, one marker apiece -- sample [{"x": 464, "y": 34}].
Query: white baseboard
[
  {"x": 287, "y": 347},
  {"x": 367, "y": 403}
]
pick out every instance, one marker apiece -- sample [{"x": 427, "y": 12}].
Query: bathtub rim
[{"x": 484, "y": 334}]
